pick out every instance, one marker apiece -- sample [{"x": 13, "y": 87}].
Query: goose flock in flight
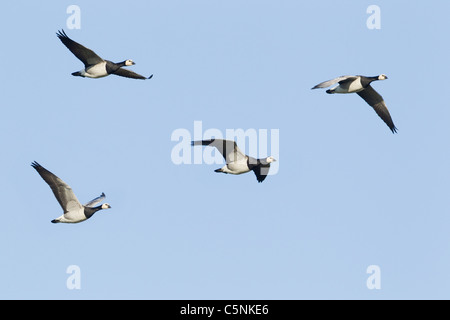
[{"x": 237, "y": 162}]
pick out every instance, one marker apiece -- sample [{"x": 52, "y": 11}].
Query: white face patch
[
  {"x": 129, "y": 62},
  {"x": 106, "y": 206}
]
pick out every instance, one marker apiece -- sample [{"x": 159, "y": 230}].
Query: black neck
[
  {"x": 89, "y": 212},
  {"x": 112, "y": 67},
  {"x": 365, "y": 81}
]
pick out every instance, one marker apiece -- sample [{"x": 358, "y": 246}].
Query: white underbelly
[
  {"x": 96, "y": 71},
  {"x": 74, "y": 215},
  {"x": 355, "y": 86},
  {"x": 66, "y": 220},
  {"x": 237, "y": 167}
]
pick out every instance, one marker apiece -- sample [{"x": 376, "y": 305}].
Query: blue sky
[{"x": 348, "y": 193}]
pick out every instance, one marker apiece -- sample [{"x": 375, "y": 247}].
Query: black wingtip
[
  {"x": 202, "y": 142},
  {"x": 259, "y": 176},
  {"x": 393, "y": 128},
  {"x": 61, "y": 34},
  {"x": 35, "y": 165},
  {"x": 150, "y": 77},
  {"x": 54, "y": 221}
]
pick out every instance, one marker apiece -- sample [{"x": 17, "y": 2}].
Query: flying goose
[
  {"x": 94, "y": 66},
  {"x": 236, "y": 161},
  {"x": 361, "y": 85},
  {"x": 74, "y": 212}
]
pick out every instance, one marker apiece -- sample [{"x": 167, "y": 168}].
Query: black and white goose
[
  {"x": 94, "y": 66},
  {"x": 236, "y": 161},
  {"x": 74, "y": 211},
  {"x": 361, "y": 85}
]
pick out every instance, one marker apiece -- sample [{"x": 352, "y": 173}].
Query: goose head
[
  {"x": 382, "y": 77},
  {"x": 270, "y": 159},
  {"x": 129, "y": 62},
  {"x": 106, "y": 206}
]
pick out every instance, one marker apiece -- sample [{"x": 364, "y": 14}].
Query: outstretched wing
[
  {"x": 229, "y": 149},
  {"x": 87, "y": 56},
  {"x": 375, "y": 100},
  {"x": 95, "y": 201},
  {"x": 328, "y": 83},
  {"x": 130, "y": 74},
  {"x": 62, "y": 191}
]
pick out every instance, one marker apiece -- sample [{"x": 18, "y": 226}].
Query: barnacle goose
[
  {"x": 74, "y": 211},
  {"x": 94, "y": 66},
  {"x": 361, "y": 85},
  {"x": 236, "y": 161}
]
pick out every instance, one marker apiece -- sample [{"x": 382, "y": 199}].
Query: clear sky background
[{"x": 348, "y": 193}]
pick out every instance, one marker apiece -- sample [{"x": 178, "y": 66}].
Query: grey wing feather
[
  {"x": 62, "y": 191},
  {"x": 95, "y": 201},
  {"x": 87, "y": 56},
  {"x": 129, "y": 74},
  {"x": 229, "y": 149},
  {"x": 375, "y": 100},
  {"x": 328, "y": 83}
]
